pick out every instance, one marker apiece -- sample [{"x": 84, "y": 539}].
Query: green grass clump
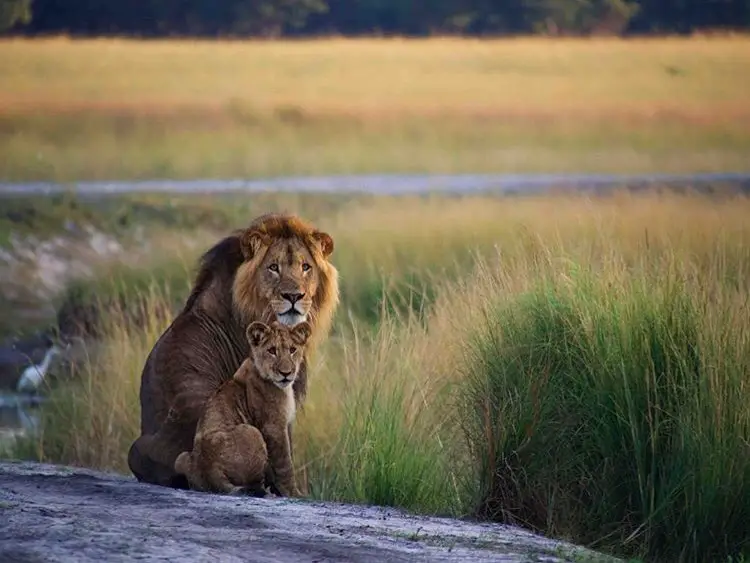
[
  {"x": 382, "y": 458},
  {"x": 615, "y": 413}
]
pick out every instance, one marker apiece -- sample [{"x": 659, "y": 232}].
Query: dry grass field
[{"x": 103, "y": 109}]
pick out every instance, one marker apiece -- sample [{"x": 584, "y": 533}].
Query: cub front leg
[
  {"x": 185, "y": 465},
  {"x": 280, "y": 461}
]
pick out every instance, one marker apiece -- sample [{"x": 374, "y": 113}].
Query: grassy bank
[
  {"x": 577, "y": 366},
  {"x": 105, "y": 109},
  {"x": 56, "y": 251}
]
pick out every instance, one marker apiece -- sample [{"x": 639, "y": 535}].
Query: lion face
[
  {"x": 278, "y": 350},
  {"x": 284, "y": 273},
  {"x": 289, "y": 278}
]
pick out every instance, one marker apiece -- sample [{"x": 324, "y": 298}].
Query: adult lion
[{"x": 277, "y": 267}]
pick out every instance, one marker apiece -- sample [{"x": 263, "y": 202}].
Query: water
[
  {"x": 19, "y": 416},
  {"x": 390, "y": 184}
]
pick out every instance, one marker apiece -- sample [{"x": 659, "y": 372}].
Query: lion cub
[{"x": 242, "y": 438}]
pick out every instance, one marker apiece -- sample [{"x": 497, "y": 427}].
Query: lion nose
[
  {"x": 292, "y": 297},
  {"x": 286, "y": 373}
]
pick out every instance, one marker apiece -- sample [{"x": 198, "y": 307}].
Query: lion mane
[{"x": 206, "y": 343}]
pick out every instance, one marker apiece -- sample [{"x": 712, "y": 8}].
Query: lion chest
[{"x": 290, "y": 405}]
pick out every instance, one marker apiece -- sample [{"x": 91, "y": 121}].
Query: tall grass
[
  {"x": 383, "y": 442},
  {"x": 613, "y": 410},
  {"x": 577, "y": 365}
]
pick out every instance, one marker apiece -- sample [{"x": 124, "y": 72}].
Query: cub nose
[
  {"x": 292, "y": 297},
  {"x": 286, "y": 373}
]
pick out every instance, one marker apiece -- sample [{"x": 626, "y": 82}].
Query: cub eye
[
  {"x": 306, "y": 267},
  {"x": 274, "y": 268},
  {"x": 272, "y": 350},
  {"x": 292, "y": 350}
]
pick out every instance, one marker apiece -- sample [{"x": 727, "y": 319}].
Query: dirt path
[{"x": 60, "y": 514}]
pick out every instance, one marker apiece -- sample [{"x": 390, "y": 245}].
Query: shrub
[{"x": 614, "y": 412}]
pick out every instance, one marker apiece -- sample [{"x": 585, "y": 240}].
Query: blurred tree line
[{"x": 271, "y": 18}]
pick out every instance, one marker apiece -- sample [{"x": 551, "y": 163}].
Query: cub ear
[
  {"x": 325, "y": 241},
  {"x": 301, "y": 332},
  {"x": 251, "y": 241},
  {"x": 256, "y": 332}
]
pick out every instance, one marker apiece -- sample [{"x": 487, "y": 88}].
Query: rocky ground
[{"x": 61, "y": 514}]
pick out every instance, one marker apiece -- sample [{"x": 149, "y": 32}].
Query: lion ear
[
  {"x": 301, "y": 332},
  {"x": 325, "y": 241},
  {"x": 251, "y": 242},
  {"x": 256, "y": 332}
]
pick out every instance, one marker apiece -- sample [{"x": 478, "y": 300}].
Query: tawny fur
[
  {"x": 242, "y": 440},
  {"x": 205, "y": 344}
]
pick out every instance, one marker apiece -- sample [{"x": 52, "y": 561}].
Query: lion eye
[
  {"x": 306, "y": 267},
  {"x": 274, "y": 268},
  {"x": 272, "y": 350},
  {"x": 292, "y": 350}
]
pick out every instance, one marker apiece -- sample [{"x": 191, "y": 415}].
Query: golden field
[{"x": 111, "y": 108}]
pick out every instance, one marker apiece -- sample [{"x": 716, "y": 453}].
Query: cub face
[{"x": 278, "y": 350}]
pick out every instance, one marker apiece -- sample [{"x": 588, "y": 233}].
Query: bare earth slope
[{"x": 60, "y": 514}]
